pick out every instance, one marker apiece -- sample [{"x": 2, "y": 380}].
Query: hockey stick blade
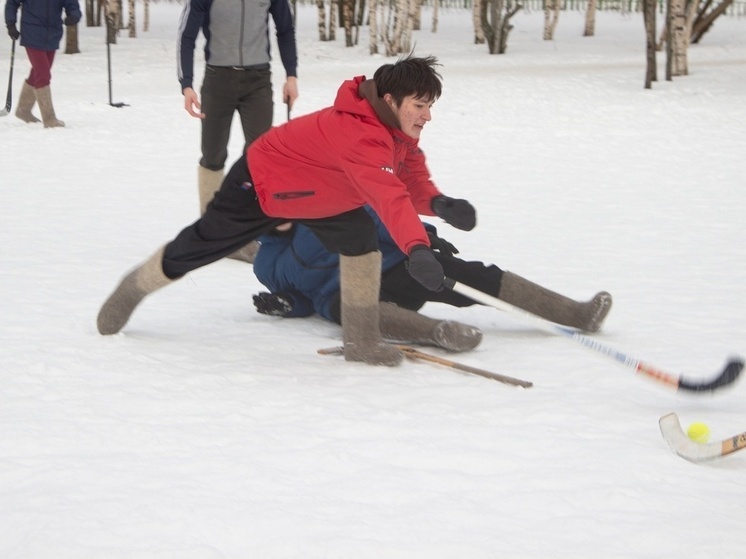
[
  {"x": 682, "y": 445},
  {"x": 726, "y": 377},
  {"x": 413, "y": 353}
]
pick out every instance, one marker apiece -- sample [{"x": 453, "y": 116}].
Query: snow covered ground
[{"x": 205, "y": 430}]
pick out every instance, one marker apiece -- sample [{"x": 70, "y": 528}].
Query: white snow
[{"x": 205, "y": 430}]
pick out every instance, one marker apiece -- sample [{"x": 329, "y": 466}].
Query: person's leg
[
  {"x": 232, "y": 219},
  {"x": 353, "y": 235},
  {"x": 255, "y": 105},
  {"x": 40, "y": 80}
]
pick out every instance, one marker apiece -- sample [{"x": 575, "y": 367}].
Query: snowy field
[{"x": 205, "y": 430}]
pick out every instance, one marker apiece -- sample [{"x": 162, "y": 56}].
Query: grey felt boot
[
  {"x": 44, "y": 98},
  {"x": 404, "y": 325},
  {"x": 208, "y": 183},
  {"x": 26, "y": 102},
  {"x": 140, "y": 282},
  {"x": 552, "y": 306},
  {"x": 360, "y": 285}
]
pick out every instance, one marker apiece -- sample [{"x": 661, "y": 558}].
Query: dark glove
[
  {"x": 13, "y": 31},
  {"x": 69, "y": 21},
  {"x": 425, "y": 268},
  {"x": 441, "y": 245},
  {"x": 273, "y": 304},
  {"x": 459, "y": 213}
]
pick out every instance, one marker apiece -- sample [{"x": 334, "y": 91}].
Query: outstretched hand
[{"x": 459, "y": 213}]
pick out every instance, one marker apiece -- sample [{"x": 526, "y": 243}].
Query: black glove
[
  {"x": 425, "y": 268},
  {"x": 69, "y": 21},
  {"x": 13, "y": 31},
  {"x": 441, "y": 245},
  {"x": 459, "y": 213},
  {"x": 273, "y": 304}
]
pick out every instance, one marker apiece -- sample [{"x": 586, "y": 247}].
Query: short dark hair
[{"x": 409, "y": 76}]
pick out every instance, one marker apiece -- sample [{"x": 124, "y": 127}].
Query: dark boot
[
  {"x": 360, "y": 285},
  {"x": 26, "y": 102},
  {"x": 552, "y": 306},
  {"x": 44, "y": 98},
  {"x": 140, "y": 282},
  {"x": 404, "y": 325}
]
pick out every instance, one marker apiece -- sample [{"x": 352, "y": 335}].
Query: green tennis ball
[{"x": 699, "y": 433}]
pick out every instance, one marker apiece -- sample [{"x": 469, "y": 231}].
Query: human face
[{"x": 413, "y": 113}]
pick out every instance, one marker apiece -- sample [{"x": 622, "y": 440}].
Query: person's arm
[
  {"x": 193, "y": 17},
  {"x": 285, "y": 33},
  {"x": 11, "y": 12},
  {"x": 72, "y": 12}
]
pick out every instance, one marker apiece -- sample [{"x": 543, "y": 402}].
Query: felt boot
[
  {"x": 404, "y": 325},
  {"x": 133, "y": 288},
  {"x": 208, "y": 183},
  {"x": 25, "y": 103},
  {"x": 44, "y": 98},
  {"x": 552, "y": 306},
  {"x": 360, "y": 285}
]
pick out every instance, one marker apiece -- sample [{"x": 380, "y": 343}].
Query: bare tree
[
  {"x": 551, "y": 17},
  {"x": 348, "y": 11},
  {"x": 71, "y": 39},
  {"x": 434, "y": 26},
  {"x": 476, "y": 18},
  {"x": 373, "y": 26},
  {"x": 131, "y": 21},
  {"x": 590, "y": 19},
  {"x": 651, "y": 74},
  {"x": 495, "y": 17},
  {"x": 709, "y": 11},
  {"x": 327, "y": 32}
]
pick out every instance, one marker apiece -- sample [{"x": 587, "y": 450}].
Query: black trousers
[
  {"x": 397, "y": 286},
  {"x": 234, "y": 218}
]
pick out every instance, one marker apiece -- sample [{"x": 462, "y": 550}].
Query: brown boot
[
  {"x": 25, "y": 103},
  {"x": 404, "y": 325},
  {"x": 44, "y": 98},
  {"x": 140, "y": 282},
  {"x": 360, "y": 285},
  {"x": 552, "y": 306}
]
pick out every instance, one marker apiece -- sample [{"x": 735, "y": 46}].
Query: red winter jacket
[{"x": 343, "y": 157}]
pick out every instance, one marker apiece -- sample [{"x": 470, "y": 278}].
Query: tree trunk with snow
[
  {"x": 551, "y": 17},
  {"x": 590, "y": 19}
]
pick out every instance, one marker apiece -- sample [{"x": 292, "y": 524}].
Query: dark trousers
[
  {"x": 397, "y": 286},
  {"x": 234, "y": 218},
  {"x": 226, "y": 90}
]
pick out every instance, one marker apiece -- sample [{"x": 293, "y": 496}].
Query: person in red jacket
[{"x": 320, "y": 170}]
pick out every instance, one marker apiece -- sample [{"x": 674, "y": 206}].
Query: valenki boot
[
  {"x": 208, "y": 183},
  {"x": 44, "y": 98},
  {"x": 404, "y": 325},
  {"x": 552, "y": 306},
  {"x": 360, "y": 285},
  {"x": 133, "y": 288},
  {"x": 26, "y": 102}
]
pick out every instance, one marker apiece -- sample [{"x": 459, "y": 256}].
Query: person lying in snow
[{"x": 303, "y": 278}]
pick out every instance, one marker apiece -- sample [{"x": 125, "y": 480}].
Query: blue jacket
[
  {"x": 297, "y": 264},
  {"x": 41, "y": 20}
]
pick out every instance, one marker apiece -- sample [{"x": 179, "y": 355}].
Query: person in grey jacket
[
  {"x": 237, "y": 76},
  {"x": 41, "y": 33}
]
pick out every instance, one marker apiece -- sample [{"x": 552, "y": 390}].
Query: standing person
[
  {"x": 237, "y": 76},
  {"x": 41, "y": 33},
  {"x": 303, "y": 278},
  {"x": 320, "y": 170}
]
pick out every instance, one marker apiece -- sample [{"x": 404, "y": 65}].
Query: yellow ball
[{"x": 699, "y": 433}]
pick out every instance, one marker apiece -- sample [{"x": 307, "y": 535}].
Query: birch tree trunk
[
  {"x": 321, "y": 11},
  {"x": 477, "y": 19},
  {"x": 434, "y": 27},
  {"x": 590, "y": 19},
  {"x": 551, "y": 17},
  {"x": 112, "y": 17},
  {"x": 373, "y": 26},
  {"x": 651, "y": 72},
  {"x": 679, "y": 38},
  {"x": 333, "y": 11},
  {"x": 146, "y": 16},
  {"x": 348, "y": 7},
  {"x": 131, "y": 21},
  {"x": 71, "y": 39}
]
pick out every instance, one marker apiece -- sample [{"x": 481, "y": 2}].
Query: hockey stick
[
  {"x": 727, "y": 376},
  {"x": 417, "y": 354},
  {"x": 108, "y": 64},
  {"x": 9, "y": 97},
  {"x": 696, "y": 452}
]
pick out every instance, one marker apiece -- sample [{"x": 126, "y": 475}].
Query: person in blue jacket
[
  {"x": 303, "y": 279},
  {"x": 41, "y": 33}
]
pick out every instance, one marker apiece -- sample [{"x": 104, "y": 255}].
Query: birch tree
[
  {"x": 494, "y": 16},
  {"x": 590, "y": 19},
  {"x": 373, "y": 26},
  {"x": 131, "y": 20},
  {"x": 551, "y": 17},
  {"x": 651, "y": 73},
  {"x": 476, "y": 17}
]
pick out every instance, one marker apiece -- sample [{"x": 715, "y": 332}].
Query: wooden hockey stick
[
  {"x": 725, "y": 377},
  {"x": 695, "y": 452},
  {"x": 413, "y": 353}
]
